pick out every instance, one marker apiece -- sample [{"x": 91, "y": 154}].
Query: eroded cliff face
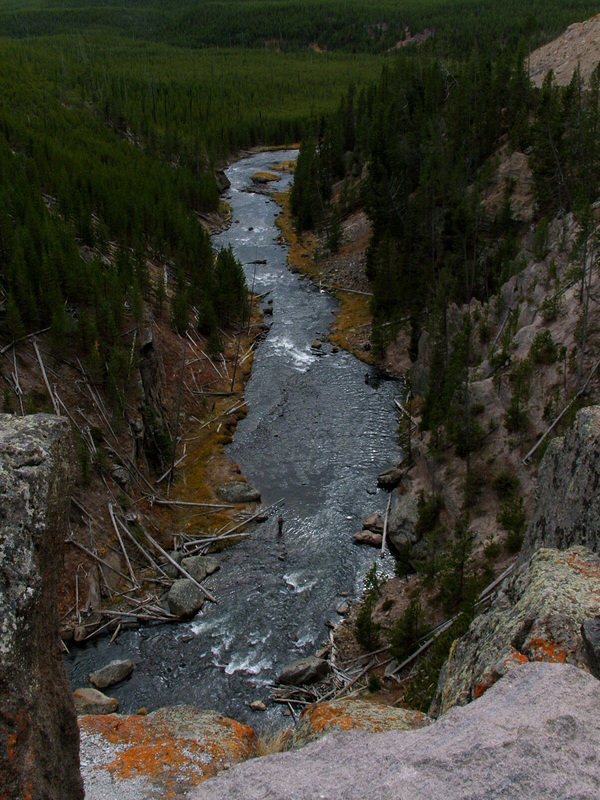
[
  {"x": 568, "y": 505},
  {"x": 548, "y": 609},
  {"x": 39, "y": 740}
]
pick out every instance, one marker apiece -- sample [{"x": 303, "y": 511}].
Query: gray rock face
[
  {"x": 39, "y": 740},
  {"x": 568, "y": 505},
  {"x": 238, "y": 492},
  {"x": 91, "y": 701},
  {"x": 200, "y": 566},
  {"x": 185, "y": 599},
  {"x": 537, "y": 616},
  {"x": 112, "y": 673},
  {"x": 402, "y": 521},
  {"x": 306, "y": 670},
  {"x": 535, "y": 734}
]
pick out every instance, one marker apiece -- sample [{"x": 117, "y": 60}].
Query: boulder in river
[
  {"x": 373, "y": 522},
  {"x": 91, "y": 701},
  {"x": 238, "y": 492},
  {"x": 185, "y": 599},
  {"x": 368, "y": 537},
  {"x": 112, "y": 673},
  {"x": 200, "y": 566},
  {"x": 306, "y": 670},
  {"x": 390, "y": 477}
]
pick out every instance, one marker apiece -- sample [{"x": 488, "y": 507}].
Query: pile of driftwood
[{"x": 150, "y": 571}]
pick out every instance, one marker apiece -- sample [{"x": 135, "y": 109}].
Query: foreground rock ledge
[
  {"x": 162, "y": 755},
  {"x": 534, "y": 734},
  {"x": 38, "y": 727}
]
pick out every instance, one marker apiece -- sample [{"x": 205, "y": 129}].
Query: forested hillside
[{"x": 289, "y": 24}]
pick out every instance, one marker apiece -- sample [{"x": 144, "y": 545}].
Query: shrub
[
  {"x": 543, "y": 350},
  {"x": 366, "y": 631},
  {"x": 422, "y": 687},
  {"x": 428, "y": 508},
  {"x": 407, "y": 630},
  {"x": 506, "y": 484},
  {"x": 513, "y": 519},
  {"x": 550, "y": 308}
]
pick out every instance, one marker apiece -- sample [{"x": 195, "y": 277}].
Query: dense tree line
[{"x": 358, "y": 26}]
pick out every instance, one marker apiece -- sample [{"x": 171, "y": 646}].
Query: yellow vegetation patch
[
  {"x": 285, "y": 166},
  {"x": 264, "y": 177},
  {"x": 301, "y": 246},
  {"x": 352, "y": 324}
]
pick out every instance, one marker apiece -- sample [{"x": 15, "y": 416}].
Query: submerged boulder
[{"x": 238, "y": 492}]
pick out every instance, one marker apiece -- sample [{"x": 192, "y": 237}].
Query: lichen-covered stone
[
  {"x": 568, "y": 504},
  {"x": 536, "y": 616},
  {"x": 350, "y": 713},
  {"x": 38, "y": 727},
  {"x": 161, "y": 755}
]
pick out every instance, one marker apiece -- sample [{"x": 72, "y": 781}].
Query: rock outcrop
[
  {"x": 38, "y": 727},
  {"x": 536, "y": 616},
  {"x": 350, "y": 713},
  {"x": 535, "y": 734},
  {"x": 162, "y": 755},
  {"x": 579, "y": 46},
  {"x": 568, "y": 504}
]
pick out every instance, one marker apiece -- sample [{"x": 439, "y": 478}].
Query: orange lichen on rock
[
  {"x": 351, "y": 713},
  {"x": 587, "y": 567},
  {"x": 539, "y": 649},
  {"x": 174, "y": 748}
]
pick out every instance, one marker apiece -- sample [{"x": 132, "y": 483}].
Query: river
[{"x": 316, "y": 435}]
